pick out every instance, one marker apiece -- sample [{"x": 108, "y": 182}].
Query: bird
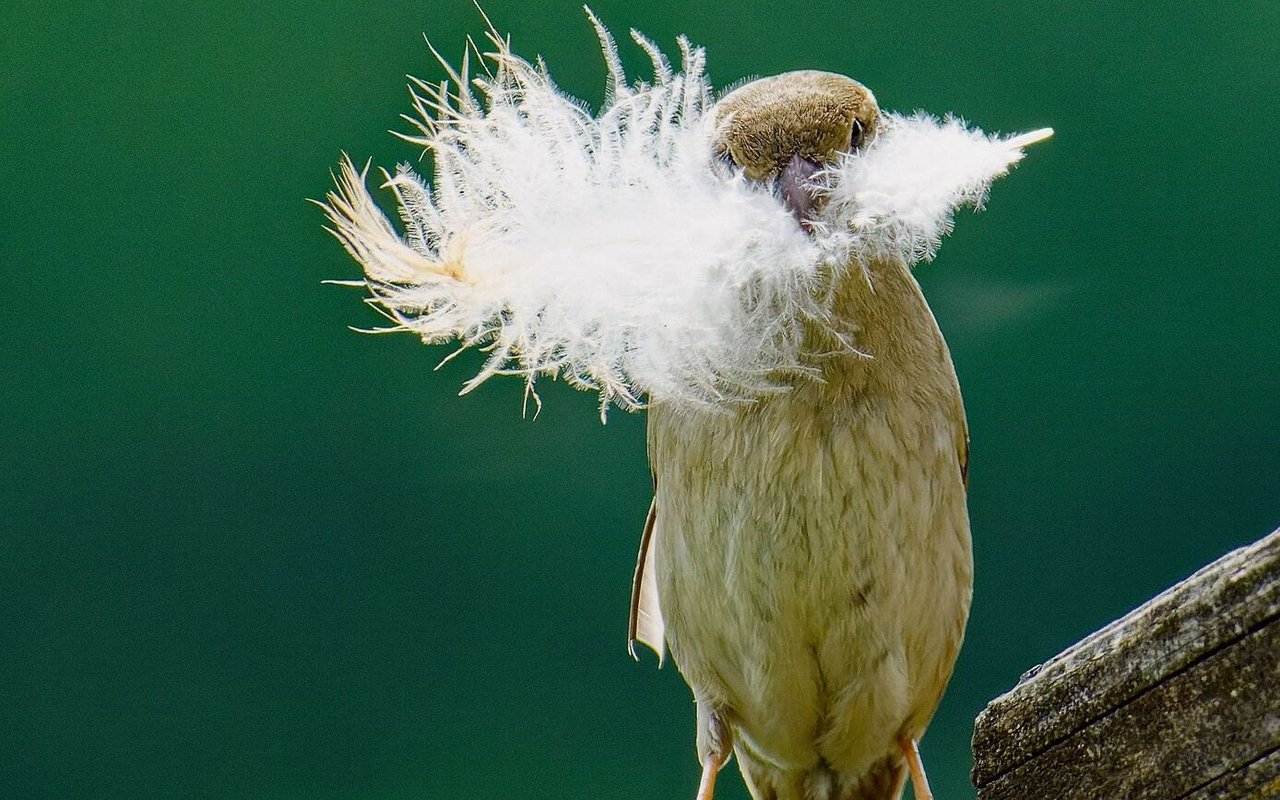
[
  {"x": 807, "y": 558},
  {"x": 741, "y": 268}
]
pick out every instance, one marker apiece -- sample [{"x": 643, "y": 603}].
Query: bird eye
[{"x": 856, "y": 132}]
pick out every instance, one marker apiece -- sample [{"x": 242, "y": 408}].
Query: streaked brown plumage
[{"x": 807, "y": 559}]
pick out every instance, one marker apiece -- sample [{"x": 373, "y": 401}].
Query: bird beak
[{"x": 794, "y": 185}]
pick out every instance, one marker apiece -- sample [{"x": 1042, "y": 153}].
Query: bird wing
[{"x": 645, "y": 624}]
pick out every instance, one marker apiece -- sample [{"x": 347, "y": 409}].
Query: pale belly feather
[{"x": 814, "y": 569}]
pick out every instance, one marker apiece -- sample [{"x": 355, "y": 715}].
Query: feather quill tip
[{"x": 1025, "y": 140}]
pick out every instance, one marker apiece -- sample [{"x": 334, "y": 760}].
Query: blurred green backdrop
[{"x": 247, "y": 553}]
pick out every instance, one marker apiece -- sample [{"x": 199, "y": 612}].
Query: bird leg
[
  {"x": 715, "y": 743},
  {"x": 919, "y": 783},
  {"x": 707, "y": 786}
]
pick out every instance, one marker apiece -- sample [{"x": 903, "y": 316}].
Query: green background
[{"x": 248, "y": 553}]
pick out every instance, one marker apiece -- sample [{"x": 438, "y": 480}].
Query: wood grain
[{"x": 1178, "y": 699}]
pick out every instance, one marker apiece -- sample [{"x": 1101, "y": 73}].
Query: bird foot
[{"x": 919, "y": 783}]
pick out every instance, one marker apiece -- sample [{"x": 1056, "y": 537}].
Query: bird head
[{"x": 785, "y": 129}]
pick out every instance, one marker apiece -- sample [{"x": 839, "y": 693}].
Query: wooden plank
[
  {"x": 1182, "y": 736},
  {"x": 1218, "y": 606},
  {"x": 1260, "y": 779}
]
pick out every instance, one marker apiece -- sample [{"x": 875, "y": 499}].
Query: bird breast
[{"x": 812, "y": 550}]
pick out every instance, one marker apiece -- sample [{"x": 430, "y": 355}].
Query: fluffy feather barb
[
  {"x": 897, "y": 198},
  {"x": 612, "y": 250}
]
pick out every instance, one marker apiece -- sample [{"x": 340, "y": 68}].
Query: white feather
[
  {"x": 897, "y": 198},
  {"x": 613, "y": 251}
]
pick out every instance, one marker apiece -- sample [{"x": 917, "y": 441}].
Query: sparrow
[{"x": 807, "y": 558}]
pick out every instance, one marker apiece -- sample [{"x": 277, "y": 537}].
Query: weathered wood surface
[{"x": 1178, "y": 699}]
